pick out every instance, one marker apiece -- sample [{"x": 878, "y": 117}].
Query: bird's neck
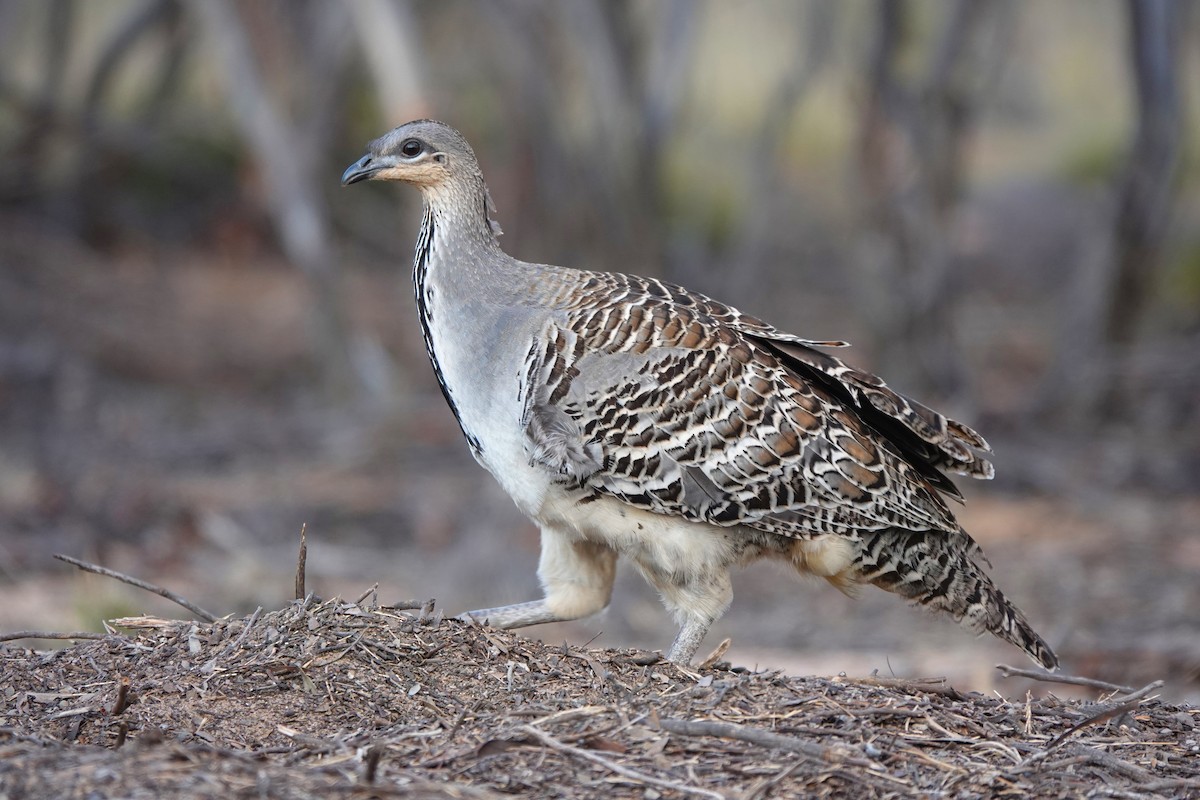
[
  {"x": 457, "y": 221},
  {"x": 457, "y": 260}
]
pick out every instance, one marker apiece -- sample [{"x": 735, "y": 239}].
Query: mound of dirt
[{"x": 354, "y": 699}]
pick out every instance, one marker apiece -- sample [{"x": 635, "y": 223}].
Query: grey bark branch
[
  {"x": 1148, "y": 184},
  {"x": 296, "y": 206},
  {"x": 1109, "y": 293},
  {"x": 764, "y": 186},
  {"x": 136, "y": 25},
  {"x": 386, "y": 29},
  {"x": 912, "y": 140}
]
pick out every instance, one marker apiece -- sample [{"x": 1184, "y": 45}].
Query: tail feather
[{"x": 936, "y": 569}]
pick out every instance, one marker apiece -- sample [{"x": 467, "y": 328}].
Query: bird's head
[
  {"x": 436, "y": 159},
  {"x": 424, "y": 153}
]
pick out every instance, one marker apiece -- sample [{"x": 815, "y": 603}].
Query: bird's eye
[{"x": 410, "y": 148}]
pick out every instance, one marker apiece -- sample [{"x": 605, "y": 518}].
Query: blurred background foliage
[{"x": 205, "y": 341}]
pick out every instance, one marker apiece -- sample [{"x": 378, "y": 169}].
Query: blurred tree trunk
[
  {"x": 635, "y": 75},
  {"x": 596, "y": 109},
  {"x": 393, "y": 52},
  {"x": 289, "y": 158},
  {"x": 28, "y": 151},
  {"x": 744, "y": 261},
  {"x": 1147, "y": 187},
  {"x": 1146, "y": 191},
  {"x": 151, "y": 18},
  {"x": 912, "y": 142},
  {"x": 1110, "y": 296}
]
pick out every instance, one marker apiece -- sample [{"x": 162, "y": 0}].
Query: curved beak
[{"x": 362, "y": 170}]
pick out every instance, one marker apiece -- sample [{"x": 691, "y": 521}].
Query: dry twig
[
  {"x": 122, "y": 701},
  {"x": 373, "y": 590},
  {"x": 8, "y": 637},
  {"x": 612, "y": 766},
  {"x": 928, "y": 685},
  {"x": 141, "y": 584},
  {"x": 301, "y": 561},
  {"x": 404, "y": 605},
  {"x": 1049, "y": 677},
  {"x": 1121, "y": 705},
  {"x": 1111, "y": 762},
  {"x": 728, "y": 730},
  {"x": 761, "y": 788},
  {"x": 716, "y": 654},
  {"x": 236, "y": 643},
  {"x": 1103, "y": 716},
  {"x": 1153, "y": 686}
]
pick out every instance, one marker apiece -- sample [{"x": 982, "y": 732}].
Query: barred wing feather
[{"x": 680, "y": 405}]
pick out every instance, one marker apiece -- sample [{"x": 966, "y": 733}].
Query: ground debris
[{"x": 337, "y": 698}]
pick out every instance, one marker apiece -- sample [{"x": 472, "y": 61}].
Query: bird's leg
[
  {"x": 577, "y": 577},
  {"x": 517, "y": 615},
  {"x": 697, "y": 599},
  {"x": 687, "y": 641}
]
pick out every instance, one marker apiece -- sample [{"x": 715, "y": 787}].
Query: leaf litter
[{"x": 356, "y": 699}]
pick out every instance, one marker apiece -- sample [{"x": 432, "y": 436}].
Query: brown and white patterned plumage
[{"x": 632, "y": 417}]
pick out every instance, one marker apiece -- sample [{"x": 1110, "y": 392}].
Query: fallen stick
[
  {"x": 927, "y": 685},
  {"x": 141, "y": 584},
  {"x": 612, "y": 766},
  {"x": 745, "y": 733},
  {"x": 301, "y": 561},
  {"x": 8, "y": 637},
  {"x": 1041, "y": 675}
]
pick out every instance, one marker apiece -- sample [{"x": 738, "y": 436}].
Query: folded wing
[{"x": 683, "y": 406}]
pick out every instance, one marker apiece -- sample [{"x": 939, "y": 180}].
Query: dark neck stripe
[{"x": 425, "y": 314}]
